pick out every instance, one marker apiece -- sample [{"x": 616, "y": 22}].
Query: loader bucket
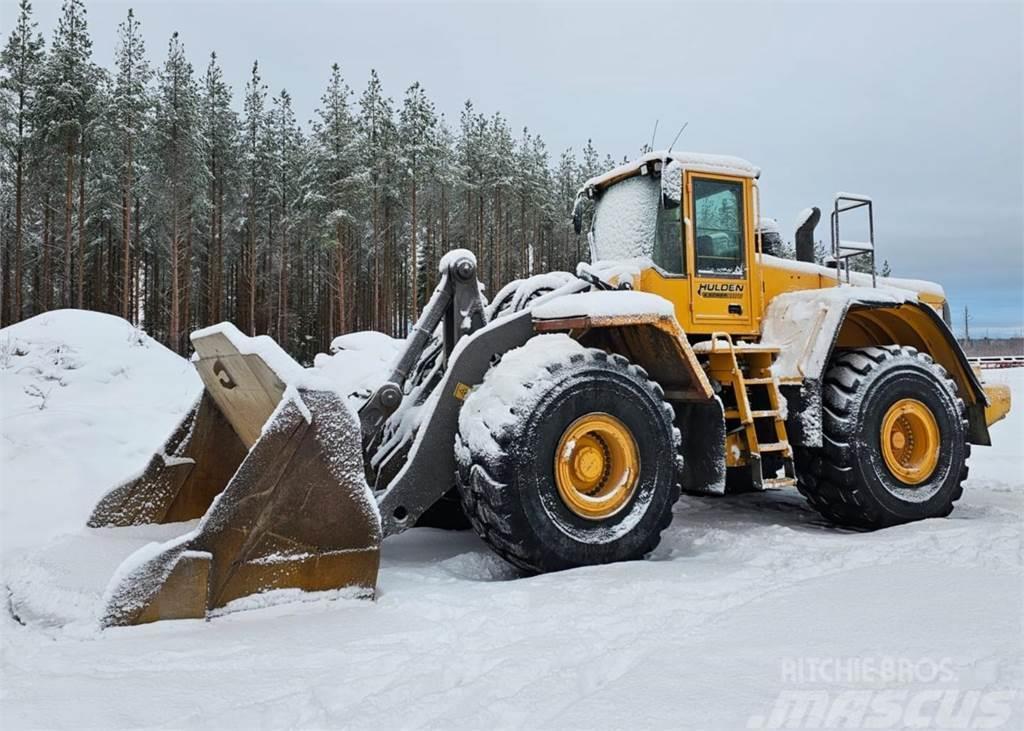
[{"x": 271, "y": 463}]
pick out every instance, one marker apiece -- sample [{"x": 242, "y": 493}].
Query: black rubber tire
[
  {"x": 846, "y": 479},
  {"x": 506, "y": 473}
]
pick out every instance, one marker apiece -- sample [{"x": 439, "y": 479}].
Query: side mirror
[{"x": 672, "y": 184}]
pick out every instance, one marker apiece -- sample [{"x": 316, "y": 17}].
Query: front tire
[
  {"x": 894, "y": 440},
  {"x": 567, "y": 457}
]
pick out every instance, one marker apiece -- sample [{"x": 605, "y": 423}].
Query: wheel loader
[{"x": 564, "y": 417}]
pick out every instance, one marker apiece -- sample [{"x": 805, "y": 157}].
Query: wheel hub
[
  {"x": 596, "y": 466},
  {"x": 910, "y": 441}
]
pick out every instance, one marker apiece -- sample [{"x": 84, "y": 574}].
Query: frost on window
[
  {"x": 718, "y": 214},
  {"x": 632, "y": 221},
  {"x": 626, "y": 219}
]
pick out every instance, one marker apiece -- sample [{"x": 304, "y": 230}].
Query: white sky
[{"x": 919, "y": 105}]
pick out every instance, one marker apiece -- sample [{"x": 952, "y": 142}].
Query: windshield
[{"x": 631, "y": 221}]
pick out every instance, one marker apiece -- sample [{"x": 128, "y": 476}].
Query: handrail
[{"x": 841, "y": 254}]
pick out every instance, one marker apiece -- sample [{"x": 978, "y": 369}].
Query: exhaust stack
[{"x": 804, "y": 236}]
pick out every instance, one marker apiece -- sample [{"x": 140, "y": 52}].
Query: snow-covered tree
[
  {"x": 337, "y": 184},
  {"x": 254, "y": 171},
  {"x": 179, "y": 176},
  {"x": 65, "y": 94},
  {"x": 287, "y": 162},
  {"x": 378, "y": 152},
  {"x": 131, "y": 103},
  {"x": 154, "y": 198},
  {"x": 219, "y": 124},
  {"x": 417, "y": 147},
  {"x": 20, "y": 61}
]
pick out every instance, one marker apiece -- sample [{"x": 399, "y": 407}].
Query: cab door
[{"x": 720, "y": 240}]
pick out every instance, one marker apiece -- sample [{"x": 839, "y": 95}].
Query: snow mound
[
  {"x": 87, "y": 398},
  {"x": 359, "y": 362}
]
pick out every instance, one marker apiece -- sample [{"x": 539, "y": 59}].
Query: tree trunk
[
  {"x": 175, "y": 304},
  {"x": 126, "y": 235},
  {"x": 69, "y": 184},
  {"x": 186, "y": 272},
  {"x": 377, "y": 322},
  {"x": 134, "y": 262},
  {"x": 18, "y": 202},
  {"x": 79, "y": 299},
  {"x": 210, "y": 311},
  {"x": 414, "y": 270},
  {"x": 47, "y": 285}
]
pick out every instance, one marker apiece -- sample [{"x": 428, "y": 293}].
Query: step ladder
[{"x": 754, "y": 423}]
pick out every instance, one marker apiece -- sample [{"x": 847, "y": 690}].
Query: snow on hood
[
  {"x": 613, "y": 303},
  {"x": 859, "y": 279}
]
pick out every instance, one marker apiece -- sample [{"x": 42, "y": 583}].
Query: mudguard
[{"x": 809, "y": 325}]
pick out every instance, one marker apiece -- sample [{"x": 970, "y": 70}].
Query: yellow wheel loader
[{"x": 564, "y": 417}]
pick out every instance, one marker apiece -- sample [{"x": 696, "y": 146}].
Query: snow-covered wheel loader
[{"x": 565, "y": 417}]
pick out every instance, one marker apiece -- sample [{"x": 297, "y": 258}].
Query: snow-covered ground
[{"x": 751, "y": 613}]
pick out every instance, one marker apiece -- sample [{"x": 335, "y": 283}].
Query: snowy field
[{"x": 751, "y": 611}]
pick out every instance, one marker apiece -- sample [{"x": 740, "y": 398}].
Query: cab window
[
  {"x": 718, "y": 226},
  {"x": 668, "y": 242}
]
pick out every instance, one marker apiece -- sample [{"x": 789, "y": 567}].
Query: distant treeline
[
  {"x": 139, "y": 190},
  {"x": 978, "y": 347}
]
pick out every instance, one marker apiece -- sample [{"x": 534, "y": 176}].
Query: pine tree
[
  {"x": 197, "y": 213},
  {"x": 254, "y": 160},
  {"x": 131, "y": 103},
  {"x": 417, "y": 140},
  {"x": 65, "y": 91},
  {"x": 377, "y": 137},
  {"x": 336, "y": 160},
  {"x": 20, "y": 61},
  {"x": 179, "y": 172},
  {"x": 220, "y": 152},
  {"x": 286, "y": 170}
]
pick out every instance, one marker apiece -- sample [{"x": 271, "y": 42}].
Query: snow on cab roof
[{"x": 724, "y": 164}]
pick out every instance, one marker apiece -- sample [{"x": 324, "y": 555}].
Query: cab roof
[{"x": 702, "y": 162}]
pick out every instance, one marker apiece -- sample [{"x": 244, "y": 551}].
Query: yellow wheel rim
[
  {"x": 910, "y": 441},
  {"x": 596, "y": 466}
]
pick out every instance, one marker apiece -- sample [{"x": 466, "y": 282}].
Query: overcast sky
[{"x": 919, "y": 105}]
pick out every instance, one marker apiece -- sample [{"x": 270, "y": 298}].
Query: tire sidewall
[
  {"x": 571, "y": 539},
  {"x": 908, "y": 378}
]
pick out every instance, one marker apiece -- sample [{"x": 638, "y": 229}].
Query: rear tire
[
  {"x": 510, "y": 428},
  {"x": 850, "y": 479}
]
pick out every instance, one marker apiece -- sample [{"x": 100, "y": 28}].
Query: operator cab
[{"x": 688, "y": 221}]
